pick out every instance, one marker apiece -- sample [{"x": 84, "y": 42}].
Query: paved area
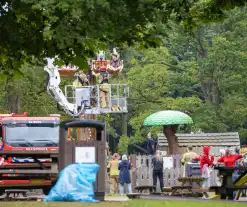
[
  {"x": 151, "y": 197},
  {"x": 40, "y": 197},
  {"x": 31, "y": 195},
  {"x": 117, "y": 198}
]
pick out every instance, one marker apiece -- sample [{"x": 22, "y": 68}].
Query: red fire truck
[{"x": 28, "y": 152}]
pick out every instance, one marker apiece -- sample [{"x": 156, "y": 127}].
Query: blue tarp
[{"x": 75, "y": 183}]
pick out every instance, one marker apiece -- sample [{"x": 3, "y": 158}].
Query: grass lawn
[{"x": 133, "y": 203}]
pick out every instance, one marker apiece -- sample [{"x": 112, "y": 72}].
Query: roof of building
[{"x": 210, "y": 139}]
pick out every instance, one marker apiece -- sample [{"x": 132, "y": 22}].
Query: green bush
[{"x": 123, "y": 144}]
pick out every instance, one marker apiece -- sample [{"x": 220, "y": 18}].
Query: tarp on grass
[{"x": 75, "y": 183}]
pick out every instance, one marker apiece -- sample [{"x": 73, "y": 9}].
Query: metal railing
[{"x": 117, "y": 95}]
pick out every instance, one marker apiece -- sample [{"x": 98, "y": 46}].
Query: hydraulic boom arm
[
  {"x": 56, "y": 93},
  {"x": 85, "y": 99}
]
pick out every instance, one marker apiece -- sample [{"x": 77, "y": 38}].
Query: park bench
[
  {"x": 141, "y": 188},
  {"x": 188, "y": 180},
  {"x": 223, "y": 191},
  {"x": 16, "y": 195},
  {"x": 228, "y": 187},
  {"x": 179, "y": 190},
  {"x": 166, "y": 190},
  {"x": 133, "y": 195},
  {"x": 201, "y": 192}
]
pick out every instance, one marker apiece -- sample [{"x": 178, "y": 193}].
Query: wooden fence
[{"x": 141, "y": 173}]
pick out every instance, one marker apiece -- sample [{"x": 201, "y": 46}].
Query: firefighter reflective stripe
[
  {"x": 26, "y": 160},
  {"x": 76, "y": 83},
  {"x": 104, "y": 87},
  {"x": 117, "y": 108}
]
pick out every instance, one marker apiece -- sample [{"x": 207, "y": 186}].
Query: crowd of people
[
  {"x": 227, "y": 158},
  {"x": 119, "y": 173},
  {"x": 119, "y": 169}
]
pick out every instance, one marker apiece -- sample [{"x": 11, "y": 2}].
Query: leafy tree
[
  {"x": 203, "y": 74},
  {"x": 73, "y": 31},
  {"x": 151, "y": 85},
  {"x": 123, "y": 145},
  {"x": 27, "y": 93}
]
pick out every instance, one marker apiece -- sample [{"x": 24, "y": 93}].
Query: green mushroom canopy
[
  {"x": 169, "y": 117},
  {"x": 170, "y": 120}
]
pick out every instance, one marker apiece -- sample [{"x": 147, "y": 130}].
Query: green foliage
[
  {"x": 123, "y": 145},
  {"x": 27, "y": 93},
  {"x": 202, "y": 74},
  {"x": 74, "y": 30},
  {"x": 151, "y": 85},
  {"x": 213, "y": 10},
  {"x": 108, "y": 119}
]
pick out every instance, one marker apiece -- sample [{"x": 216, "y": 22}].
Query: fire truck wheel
[{"x": 46, "y": 191}]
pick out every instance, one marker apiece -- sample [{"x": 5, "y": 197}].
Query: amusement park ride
[{"x": 90, "y": 93}]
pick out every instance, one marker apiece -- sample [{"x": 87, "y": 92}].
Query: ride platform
[
  {"x": 98, "y": 101},
  {"x": 67, "y": 71}
]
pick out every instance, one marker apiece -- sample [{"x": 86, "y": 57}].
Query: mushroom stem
[{"x": 172, "y": 140}]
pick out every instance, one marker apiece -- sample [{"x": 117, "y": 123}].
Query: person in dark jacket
[
  {"x": 158, "y": 169},
  {"x": 124, "y": 175},
  {"x": 150, "y": 145}
]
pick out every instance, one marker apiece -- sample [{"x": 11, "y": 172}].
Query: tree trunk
[
  {"x": 170, "y": 131},
  {"x": 14, "y": 103}
]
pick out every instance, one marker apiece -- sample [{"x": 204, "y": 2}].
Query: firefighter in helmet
[{"x": 104, "y": 87}]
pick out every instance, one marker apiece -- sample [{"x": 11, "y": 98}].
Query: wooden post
[
  {"x": 133, "y": 172},
  {"x": 86, "y": 133}
]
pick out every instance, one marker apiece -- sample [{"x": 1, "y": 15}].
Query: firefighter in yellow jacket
[
  {"x": 104, "y": 91},
  {"x": 188, "y": 157},
  {"x": 81, "y": 80}
]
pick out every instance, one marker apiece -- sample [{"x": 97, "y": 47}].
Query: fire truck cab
[{"x": 28, "y": 152}]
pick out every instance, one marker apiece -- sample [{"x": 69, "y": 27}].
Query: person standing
[
  {"x": 189, "y": 156},
  {"x": 150, "y": 145},
  {"x": 158, "y": 169},
  {"x": 206, "y": 161},
  {"x": 222, "y": 152},
  {"x": 114, "y": 173},
  {"x": 243, "y": 164},
  {"x": 104, "y": 90},
  {"x": 237, "y": 173},
  {"x": 219, "y": 178},
  {"x": 124, "y": 175},
  {"x": 230, "y": 160}
]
